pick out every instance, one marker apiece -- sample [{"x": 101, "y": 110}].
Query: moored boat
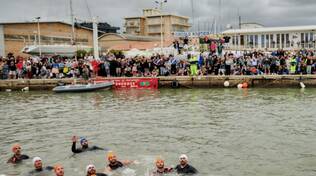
[{"x": 82, "y": 87}]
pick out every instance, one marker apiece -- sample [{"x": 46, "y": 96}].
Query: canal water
[{"x": 224, "y": 132}]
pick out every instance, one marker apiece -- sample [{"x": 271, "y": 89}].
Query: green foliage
[{"x": 81, "y": 53}]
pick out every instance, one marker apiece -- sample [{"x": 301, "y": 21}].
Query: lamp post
[
  {"x": 161, "y": 2},
  {"x": 39, "y": 35}
]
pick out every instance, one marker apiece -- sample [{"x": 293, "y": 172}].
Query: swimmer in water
[
  {"x": 59, "y": 170},
  {"x": 184, "y": 167},
  {"x": 114, "y": 163},
  {"x": 84, "y": 145},
  {"x": 38, "y": 165},
  {"x": 17, "y": 157},
  {"x": 161, "y": 169},
  {"x": 91, "y": 171}
]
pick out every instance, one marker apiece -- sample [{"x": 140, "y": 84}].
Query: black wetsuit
[
  {"x": 186, "y": 169},
  {"x": 75, "y": 150},
  {"x": 14, "y": 159},
  {"x": 165, "y": 171},
  {"x": 101, "y": 174},
  {"x": 116, "y": 165},
  {"x": 42, "y": 170}
]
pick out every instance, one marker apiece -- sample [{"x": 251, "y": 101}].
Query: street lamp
[
  {"x": 39, "y": 35},
  {"x": 161, "y": 2}
]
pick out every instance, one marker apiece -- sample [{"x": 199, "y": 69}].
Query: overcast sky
[{"x": 266, "y": 12}]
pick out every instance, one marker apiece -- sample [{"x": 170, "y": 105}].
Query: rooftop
[
  {"x": 154, "y": 16},
  {"x": 32, "y": 22},
  {"x": 271, "y": 29},
  {"x": 132, "y": 37}
]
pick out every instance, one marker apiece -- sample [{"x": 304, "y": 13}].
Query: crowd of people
[
  {"x": 190, "y": 64},
  {"x": 183, "y": 168}
]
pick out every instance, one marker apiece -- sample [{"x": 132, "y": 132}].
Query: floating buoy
[
  {"x": 226, "y": 83},
  {"x": 302, "y": 85},
  {"x": 239, "y": 86},
  {"x": 25, "y": 89}
]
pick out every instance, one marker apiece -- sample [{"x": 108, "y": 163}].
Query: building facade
[
  {"x": 272, "y": 38},
  {"x": 150, "y": 24},
  {"x": 15, "y": 36}
]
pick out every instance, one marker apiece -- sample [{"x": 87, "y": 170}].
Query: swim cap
[
  {"x": 36, "y": 159},
  {"x": 89, "y": 167},
  {"x": 15, "y": 146},
  {"x": 183, "y": 156},
  {"x": 57, "y": 166},
  {"x": 159, "y": 159},
  {"x": 82, "y": 139},
  {"x": 110, "y": 154}
]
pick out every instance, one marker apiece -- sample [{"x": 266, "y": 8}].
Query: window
[
  {"x": 282, "y": 40},
  {"x": 278, "y": 41},
  {"x": 234, "y": 41},
  {"x": 267, "y": 41},
  {"x": 306, "y": 40},
  {"x": 287, "y": 39},
  {"x": 251, "y": 41},
  {"x": 242, "y": 41},
  {"x": 311, "y": 40},
  {"x": 272, "y": 41},
  {"x": 154, "y": 29},
  {"x": 262, "y": 41},
  {"x": 256, "y": 41},
  {"x": 302, "y": 40}
]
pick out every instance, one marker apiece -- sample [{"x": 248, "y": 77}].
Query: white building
[{"x": 272, "y": 38}]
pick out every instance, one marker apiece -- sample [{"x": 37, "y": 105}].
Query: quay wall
[{"x": 266, "y": 81}]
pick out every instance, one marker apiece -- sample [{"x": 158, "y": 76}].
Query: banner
[
  {"x": 191, "y": 34},
  {"x": 131, "y": 83}
]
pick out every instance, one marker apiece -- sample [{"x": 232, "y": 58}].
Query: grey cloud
[{"x": 267, "y": 12}]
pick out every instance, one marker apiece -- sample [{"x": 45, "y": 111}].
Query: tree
[{"x": 81, "y": 53}]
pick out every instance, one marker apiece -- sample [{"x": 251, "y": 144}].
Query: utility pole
[
  {"x": 161, "y": 23},
  {"x": 39, "y": 35}
]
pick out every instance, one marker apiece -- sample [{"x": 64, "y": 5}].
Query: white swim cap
[
  {"x": 89, "y": 167},
  {"x": 36, "y": 159},
  {"x": 183, "y": 156}
]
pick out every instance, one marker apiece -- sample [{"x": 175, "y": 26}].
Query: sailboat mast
[
  {"x": 95, "y": 38},
  {"x": 220, "y": 16},
  {"x": 72, "y": 24},
  {"x": 193, "y": 17}
]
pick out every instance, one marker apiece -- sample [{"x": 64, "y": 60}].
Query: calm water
[{"x": 225, "y": 132}]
